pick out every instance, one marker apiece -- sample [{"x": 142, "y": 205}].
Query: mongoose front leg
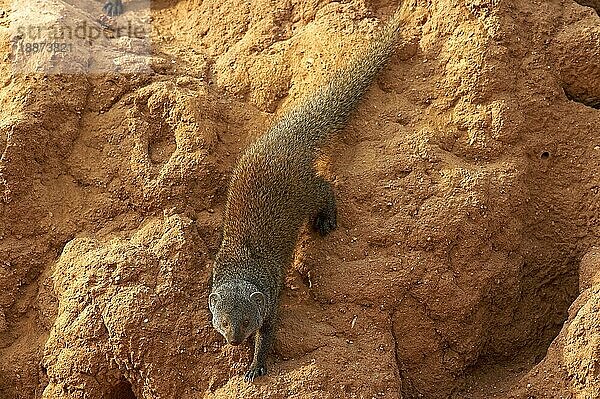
[
  {"x": 262, "y": 344},
  {"x": 326, "y": 219}
]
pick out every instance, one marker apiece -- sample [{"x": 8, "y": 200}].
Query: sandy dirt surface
[{"x": 466, "y": 260}]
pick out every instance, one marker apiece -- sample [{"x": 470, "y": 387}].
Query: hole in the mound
[
  {"x": 161, "y": 146},
  {"x": 161, "y": 151},
  {"x": 595, "y": 4},
  {"x": 582, "y": 98},
  {"x": 545, "y": 155},
  {"x": 122, "y": 390}
]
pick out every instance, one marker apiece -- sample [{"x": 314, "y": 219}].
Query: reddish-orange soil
[{"x": 466, "y": 262}]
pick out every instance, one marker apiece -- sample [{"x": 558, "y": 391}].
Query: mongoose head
[{"x": 238, "y": 311}]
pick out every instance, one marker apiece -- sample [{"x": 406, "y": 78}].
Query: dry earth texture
[{"x": 466, "y": 261}]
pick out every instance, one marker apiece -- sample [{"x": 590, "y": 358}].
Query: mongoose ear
[
  {"x": 259, "y": 299},
  {"x": 213, "y": 299}
]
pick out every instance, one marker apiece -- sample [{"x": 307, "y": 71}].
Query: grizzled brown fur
[{"x": 275, "y": 190}]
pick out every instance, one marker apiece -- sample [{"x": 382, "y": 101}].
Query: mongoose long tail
[{"x": 327, "y": 109}]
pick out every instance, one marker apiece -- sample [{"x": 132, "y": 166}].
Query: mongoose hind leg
[
  {"x": 326, "y": 219},
  {"x": 263, "y": 341}
]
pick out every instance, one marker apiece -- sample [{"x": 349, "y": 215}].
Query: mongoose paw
[
  {"x": 326, "y": 222},
  {"x": 255, "y": 371},
  {"x": 113, "y": 8}
]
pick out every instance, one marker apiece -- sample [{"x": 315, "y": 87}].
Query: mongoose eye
[
  {"x": 246, "y": 322},
  {"x": 225, "y": 323}
]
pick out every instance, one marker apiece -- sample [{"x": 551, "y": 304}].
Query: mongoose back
[{"x": 274, "y": 190}]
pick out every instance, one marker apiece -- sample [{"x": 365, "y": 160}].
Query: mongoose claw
[
  {"x": 326, "y": 222},
  {"x": 255, "y": 371},
  {"x": 113, "y": 8}
]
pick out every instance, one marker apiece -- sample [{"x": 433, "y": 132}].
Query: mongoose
[
  {"x": 113, "y": 8},
  {"x": 273, "y": 191}
]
